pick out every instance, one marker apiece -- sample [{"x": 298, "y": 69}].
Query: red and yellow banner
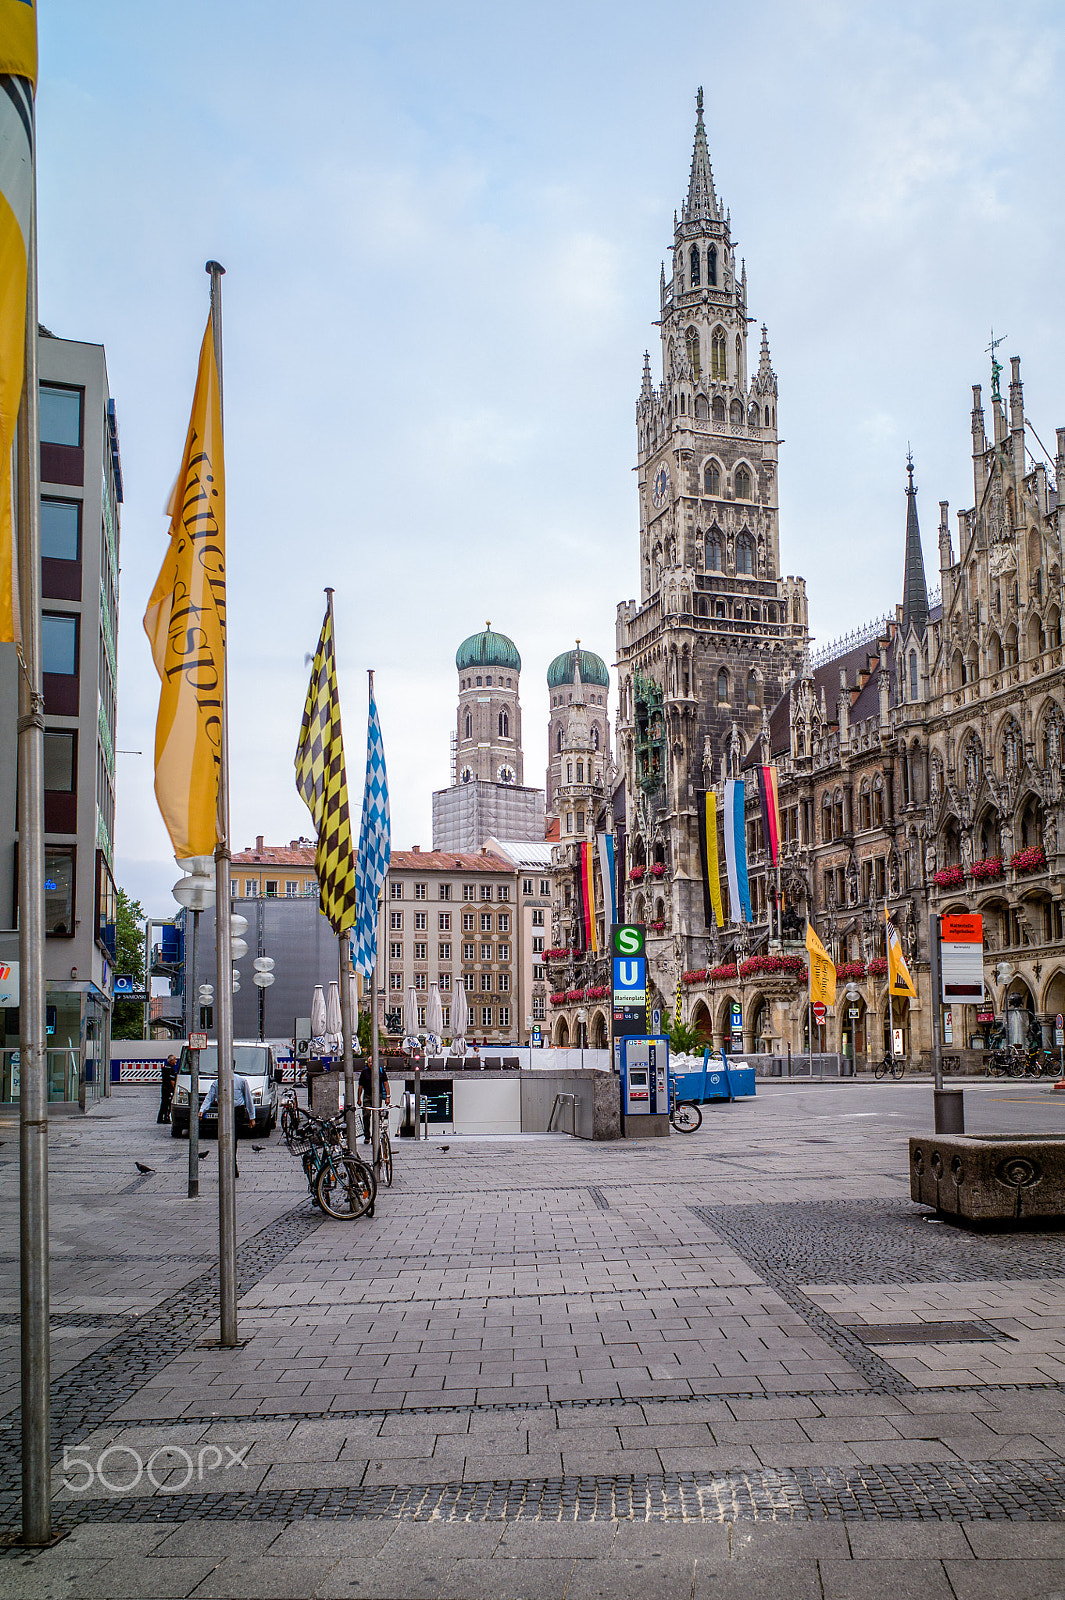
[
  {"x": 899, "y": 979},
  {"x": 769, "y": 795},
  {"x": 587, "y": 870},
  {"x": 186, "y": 624},
  {"x": 822, "y": 970}
]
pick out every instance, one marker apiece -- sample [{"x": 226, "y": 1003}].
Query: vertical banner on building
[
  {"x": 18, "y": 75},
  {"x": 736, "y": 851},
  {"x": 768, "y": 795},
  {"x": 628, "y": 1013},
  {"x": 591, "y": 942},
  {"x": 899, "y": 980},
  {"x": 609, "y": 877},
  {"x": 708, "y": 859}
]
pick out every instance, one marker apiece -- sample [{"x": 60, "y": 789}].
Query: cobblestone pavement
[{"x": 740, "y": 1362}]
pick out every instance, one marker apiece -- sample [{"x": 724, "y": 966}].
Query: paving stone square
[{"x": 549, "y": 1367}]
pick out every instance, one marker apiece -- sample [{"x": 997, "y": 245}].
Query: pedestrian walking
[
  {"x": 365, "y": 1094},
  {"x": 170, "y": 1066},
  {"x": 243, "y": 1108}
]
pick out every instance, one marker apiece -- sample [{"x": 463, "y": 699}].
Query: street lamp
[
  {"x": 262, "y": 977},
  {"x": 854, "y": 994}
]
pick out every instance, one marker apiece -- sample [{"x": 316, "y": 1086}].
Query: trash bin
[{"x": 949, "y": 1107}]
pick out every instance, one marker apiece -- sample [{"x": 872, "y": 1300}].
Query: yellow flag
[
  {"x": 822, "y": 970},
  {"x": 186, "y": 623},
  {"x": 899, "y": 980},
  {"x": 18, "y": 75}
]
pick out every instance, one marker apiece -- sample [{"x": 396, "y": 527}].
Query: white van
[{"x": 253, "y": 1061}]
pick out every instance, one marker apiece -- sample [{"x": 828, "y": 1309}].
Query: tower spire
[
  {"x": 914, "y": 584},
  {"x": 701, "y": 201}
]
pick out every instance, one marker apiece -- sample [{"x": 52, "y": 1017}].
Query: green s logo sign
[{"x": 628, "y": 941}]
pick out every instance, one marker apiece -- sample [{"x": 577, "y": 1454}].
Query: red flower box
[
  {"x": 574, "y": 994},
  {"x": 656, "y": 927},
  {"x": 598, "y": 991},
  {"x": 696, "y": 975},
  {"x": 948, "y": 878},
  {"x": 636, "y": 875},
  {"x": 991, "y": 868},
  {"x": 1030, "y": 860},
  {"x": 557, "y": 955},
  {"x": 657, "y": 870},
  {"x": 558, "y": 999},
  {"x": 850, "y": 969},
  {"x": 878, "y": 967},
  {"x": 772, "y": 966}
]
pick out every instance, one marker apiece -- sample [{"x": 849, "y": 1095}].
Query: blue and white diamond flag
[{"x": 375, "y": 847}]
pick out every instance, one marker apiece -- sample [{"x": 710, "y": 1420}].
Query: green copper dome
[
  {"x": 593, "y": 669},
  {"x": 487, "y": 649}
]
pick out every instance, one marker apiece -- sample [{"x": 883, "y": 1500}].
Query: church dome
[
  {"x": 487, "y": 649},
  {"x": 593, "y": 669}
]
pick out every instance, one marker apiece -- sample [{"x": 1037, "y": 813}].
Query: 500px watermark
[{"x": 170, "y": 1468}]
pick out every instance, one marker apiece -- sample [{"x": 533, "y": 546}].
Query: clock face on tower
[
  {"x": 466, "y": 775},
  {"x": 506, "y": 774},
  {"x": 660, "y": 487}
]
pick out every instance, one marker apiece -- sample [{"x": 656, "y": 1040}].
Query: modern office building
[
  {"x": 487, "y": 793},
  {"x": 81, "y": 491}
]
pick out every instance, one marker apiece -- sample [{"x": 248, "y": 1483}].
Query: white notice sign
[{"x": 9, "y": 983}]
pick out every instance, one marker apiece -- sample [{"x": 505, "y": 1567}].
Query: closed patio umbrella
[
  {"x": 460, "y": 1021},
  {"x": 434, "y": 1016},
  {"x": 410, "y": 1017},
  {"x": 332, "y": 1010},
  {"x": 318, "y": 1011}
]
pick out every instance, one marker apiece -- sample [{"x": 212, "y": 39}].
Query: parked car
[{"x": 253, "y": 1061}]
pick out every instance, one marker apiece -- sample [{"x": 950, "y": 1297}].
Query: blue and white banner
[
  {"x": 739, "y": 889},
  {"x": 606, "y": 872},
  {"x": 375, "y": 847}
]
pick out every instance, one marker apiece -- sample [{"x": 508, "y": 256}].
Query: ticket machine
[{"x": 645, "y": 1087}]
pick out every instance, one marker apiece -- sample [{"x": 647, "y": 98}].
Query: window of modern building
[
  {"x": 421, "y": 891},
  {"x": 486, "y": 891},
  {"x": 60, "y": 415},
  {"x": 395, "y": 950},
  {"x": 60, "y": 530},
  {"x": 106, "y": 906},
  {"x": 395, "y": 921},
  {"x": 60, "y": 771},
  {"x": 421, "y": 951},
  {"x": 59, "y": 644},
  {"x": 537, "y": 917},
  {"x": 421, "y": 1016},
  {"x": 395, "y": 889},
  {"x": 444, "y": 952},
  {"x": 59, "y": 890},
  {"x": 486, "y": 1016},
  {"x": 292, "y": 888}
]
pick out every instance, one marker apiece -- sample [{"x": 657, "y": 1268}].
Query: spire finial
[
  {"x": 914, "y": 583},
  {"x": 996, "y": 365},
  {"x": 702, "y": 201},
  {"x": 699, "y": 103},
  {"x": 488, "y": 624}
]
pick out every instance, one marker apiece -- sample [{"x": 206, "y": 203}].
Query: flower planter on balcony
[
  {"x": 850, "y": 969},
  {"x": 1030, "y": 860},
  {"x": 598, "y": 991},
  {"x": 877, "y": 968},
  {"x": 557, "y": 955},
  {"x": 636, "y": 874},
  {"x": 656, "y": 927},
  {"x": 558, "y": 999},
  {"x": 656, "y": 870},
  {"x": 986, "y": 871},
  {"x": 574, "y": 994},
  {"x": 949, "y": 878},
  {"x": 774, "y": 966}
]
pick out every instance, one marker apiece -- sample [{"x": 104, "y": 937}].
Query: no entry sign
[{"x": 820, "y": 1013}]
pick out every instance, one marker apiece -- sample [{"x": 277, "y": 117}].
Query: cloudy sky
[{"x": 442, "y": 227}]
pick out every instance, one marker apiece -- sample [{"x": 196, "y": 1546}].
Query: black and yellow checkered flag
[{"x": 321, "y": 779}]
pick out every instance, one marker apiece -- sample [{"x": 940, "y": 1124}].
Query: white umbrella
[
  {"x": 434, "y": 1016},
  {"x": 353, "y": 990},
  {"x": 318, "y": 1012},
  {"x": 332, "y": 1010},
  {"x": 460, "y": 1020},
  {"x": 410, "y": 1018}
]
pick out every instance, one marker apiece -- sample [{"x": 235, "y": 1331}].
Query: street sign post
[
  {"x": 197, "y": 1041},
  {"x": 629, "y": 974},
  {"x": 820, "y": 1013}
]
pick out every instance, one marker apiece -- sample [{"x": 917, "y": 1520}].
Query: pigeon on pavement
[
  {"x": 444, "y": 1147},
  {"x": 142, "y": 1168},
  {"x": 204, "y": 1154},
  {"x": 258, "y": 1148}
]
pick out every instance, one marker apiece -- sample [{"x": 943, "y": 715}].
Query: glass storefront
[{"x": 78, "y": 1028}]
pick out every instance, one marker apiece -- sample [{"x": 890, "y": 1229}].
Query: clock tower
[{"x": 718, "y": 631}]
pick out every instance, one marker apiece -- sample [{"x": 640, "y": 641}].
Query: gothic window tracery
[
  {"x": 717, "y": 409},
  {"x": 702, "y": 409},
  {"x": 718, "y": 360},
  {"x": 735, "y": 413},
  {"x": 741, "y": 483},
  {"x": 711, "y": 478},
  {"x": 745, "y": 554},
  {"x": 711, "y": 266},
  {"x": 693, "y": 263},
  {"x": 558, "y": 740},
  {"x": 468, "y": 725},
  {"x": 722, "y": 684}
]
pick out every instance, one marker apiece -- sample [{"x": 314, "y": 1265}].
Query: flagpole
[
  {"x": 227, "y": 1153},
  {"x": 809, "y": 998},
  {"x": 33, "y": 1053},
  {"x": 375, "y": 1066},
  {"x": 890, "y": 1007}
]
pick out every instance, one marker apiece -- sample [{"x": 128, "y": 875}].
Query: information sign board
[
  {"x": 629, "y": 985},
  {"x": 197, "y": 1041},
  {"x": 962, "y": 959}
]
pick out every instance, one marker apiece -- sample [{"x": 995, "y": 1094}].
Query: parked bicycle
[
  {"x": 385, "y": 1155},
  {"x": 341, "y": 1184},
  {"x": 684, "y": 1115},
  {"x": 896, "y": 1065}
]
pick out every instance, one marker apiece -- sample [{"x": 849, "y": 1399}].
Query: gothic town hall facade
[{"x": 919, "y": 762}]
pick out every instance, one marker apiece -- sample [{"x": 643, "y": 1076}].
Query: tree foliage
[{"x": 127, "y": 1021}]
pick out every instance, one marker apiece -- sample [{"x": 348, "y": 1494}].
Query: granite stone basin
[{"x": 988, "y": 1177}]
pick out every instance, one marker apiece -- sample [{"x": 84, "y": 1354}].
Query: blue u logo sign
[{"x": 628, "y": 974}]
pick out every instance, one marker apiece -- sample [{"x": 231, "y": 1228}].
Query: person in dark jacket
[{"x": 170, "y": 1066}]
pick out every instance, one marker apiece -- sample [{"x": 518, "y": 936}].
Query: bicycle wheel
[
  {"x": 686, "y": 1117},
  {"x": 881, "y": 1068},
  {"x": 346, "y": 1188},
  {"x": 898, "y": 1068},
  {"x": 386, "y": 1158}
]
